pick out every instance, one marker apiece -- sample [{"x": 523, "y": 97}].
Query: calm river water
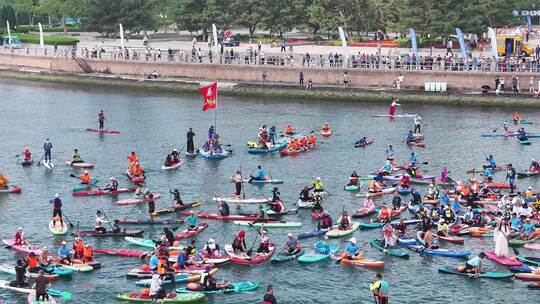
[{"x": 152, "y": 124}]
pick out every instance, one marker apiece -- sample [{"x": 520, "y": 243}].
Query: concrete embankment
[{"x": 245, "y": 80}]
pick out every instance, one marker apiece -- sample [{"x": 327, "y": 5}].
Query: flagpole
[{"x": 215, "y": 114}]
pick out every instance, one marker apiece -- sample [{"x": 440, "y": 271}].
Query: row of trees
[{"x": 437, "y": 17}]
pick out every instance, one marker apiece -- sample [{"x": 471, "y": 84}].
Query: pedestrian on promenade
[
  {"x": 269, "y": 296},
  {"x": 309, "y": 84},
  {"x": 301, "y": 78},
  {"x": 537, "y": 51},
  {"x": 400, "y": 79},
  {"x": 515, "y": 84},
  {"x": 345, "y": 79},
  {"x": 531, "y": 85},
  {"x": 380, "y": 289},
  {"x": 282, "y": 45}
]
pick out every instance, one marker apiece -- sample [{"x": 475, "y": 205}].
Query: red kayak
[
  {"x": 120, "y": 252},
  {"x": 450, "y": 239},
  {"x": 152, "y": 222},
  {"x": 416, "y": 144},
  {"x": 255, "y": 258},
  {"x": 189, "y": 233},
  {"x": 226, "y": 217},
  {"x": 135, "y": 179},
  {"x": 103, "y": 131},
  {"x": 287, "y": 152},
  {"x": 103, "y": 192},
  {"x": 494, "y": 185},
  {"x": 363, "y": 212},
  {"x": 10, "y": 189}
]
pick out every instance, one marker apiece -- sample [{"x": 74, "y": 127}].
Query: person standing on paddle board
[
  {"x": 40, "y": 286},
  {"x": 417, "y": 119},
  {"x": 101, "y": 119},
  {"x": 392, "y": 110},
  {"x": 511, "y": 177},
  {"x": 20, "y": 275},
  {"x": 57, "y": 209},
  {"x": 190, "y": 146},
  {"x": 237, "y": 179},
  {"x": 47, "y": 146}
]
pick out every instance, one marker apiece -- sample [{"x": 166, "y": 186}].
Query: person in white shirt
[{"x": 155, "y": 286}]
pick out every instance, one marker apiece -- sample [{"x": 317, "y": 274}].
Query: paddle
[
  {"x": 176, "y": 228},
  {"x": 108, "y": 221},
  {"x": 144, "y": 255},
  {"x": 27, "y": 237},
  {"x": 250, "y": 251},
  {"x": 242, "y": 178},
  {"x": 39, "y": 162},
  {"x": 136, "y": 205},
  {"x": 90, "y": 183},
  {"x": 69, "y": 222}
]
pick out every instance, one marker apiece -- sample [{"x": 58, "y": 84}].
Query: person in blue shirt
[
  {"x": 410, "y": 137},
  {"x": 323, "y": 246},
  {"x": 456, "y": 206},
  {"x": 154, "y": 261},
  {"x": 387, "y": 167},
  {"x": 65, "y": 254},
  {"x": 380, "y": 289},
  {"x": 488, "y": 173},
  {"x": 445, "y": 198},
  {"x": 413, "y": 159},
  {"x": 182, "y": 259},
  {"x": 191, "y": 222},
  {"x": 522, "y": 135},
  {"x": 260, "y": 176},
  {"x": 390, "y": 153},
  {"x": 527, "y": 230},
  {"x": 351, "y": 249},
  {"x": 511, "y": 177},
  {"x": 473, "y": 265},
  {"x": 47, "y": 146},
  {"x": 211, "y": 132},
  {"x": 515, "y": 222},
  {"x": 491, "y": 161},
  {"x": 361, "y": 142}
]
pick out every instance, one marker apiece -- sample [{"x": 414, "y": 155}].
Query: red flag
[{"x": 209, "y": 93}]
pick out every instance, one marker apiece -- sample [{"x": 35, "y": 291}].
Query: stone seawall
[{"x": 363, "y": 78}]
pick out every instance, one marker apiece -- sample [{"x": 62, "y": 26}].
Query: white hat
[
  {"x": 20, "y": 228},
  {"x": 289, "y": 234},
  {"x": 533, "y": 160},
  {"x": 57, "y": 195},
  {"x": 469, "y": 207},
  {"x": 85, "y": 171},
  {"x": 318, "y": 178},
  {"x": 530, "y": 188},
  {"x": 44, "y": 249},
  {"x": 175, "y": 150},
  {"x": 211, "y": 241},
  {"x": 64, "y": 243},
  {"x": 112, "y": 178},
  {"x": 352, "y": 240}
]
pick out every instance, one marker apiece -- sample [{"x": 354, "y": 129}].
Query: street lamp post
[{"x": 429, "y": 42}]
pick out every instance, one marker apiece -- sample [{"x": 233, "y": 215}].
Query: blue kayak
[
  {"x": 207, "y": 154},
  {"x": 314, "y": 233},
  {"x": 59, "y": 270},
  {"x": 312, "y": 257},
  {"x": 439, "y": 251},
  {"x": 403, "y": 191},
  {"x": 277, "y": 147}
]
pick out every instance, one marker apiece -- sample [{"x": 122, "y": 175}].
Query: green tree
[
  {"x": 247, "y": 14},
  {"x": 135, "y": 15},
  {"x": 281, "y": 16}
]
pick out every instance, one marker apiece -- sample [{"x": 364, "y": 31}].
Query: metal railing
[{"x": 254, "y": 58}]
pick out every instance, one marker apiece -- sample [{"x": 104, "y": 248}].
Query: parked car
[{"x": 230, "y": 42}]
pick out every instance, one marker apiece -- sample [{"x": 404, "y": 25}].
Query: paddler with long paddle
[
  {"x": 393, "y": 105},
  {"x": 101, "y": 119},
  {"x": 190, "y": 147},
  {"x": 57, "y": 209}
]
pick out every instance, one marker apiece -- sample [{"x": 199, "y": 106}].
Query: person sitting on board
[
  {"x": 289, "y": 130},
  {"x": 387, "y": 168},
  {"x": 322, "y": 246},
  {"x": 45, "y": 259},
  {"x": 325, "y": 127},
  {"x": 305, "y": 195},
  {"x": 304, "y": 143},
  {"x": 19, "y": 238},
  {"x": 516, "y": 117},
  {"x": 136, "y": 169},
  {"x": 442, "y": 228},
  {"x": 528, "y": 195},
  {"x": 473, "y": 265},
  {"x": 535, "y": 166},
  {"x": 361, "y": 142},
  {"x": 88, "y": 253},
  {"x": 27, "y": 154},
  {"x": 32, "y": 262},
  {"x": 388, "y": 233},
  {"x": 405, "y": 181},
  {"x": 175, "y": 156},
  {"x": 527, "y": 231},
  {"x": 312, "y": 140},
  {"x": 191, "y": 222},
  {"x": 78, "y": 248},
  {"x": 132, "y": 158},
  {"x": 112, "y": 185},
  {"x": 291, "y": 246},
  {"x": 413, "y": 160},
  {"x": 412, "y": 170},
  {"x": 239, "y": 242},
  {"x": 65, "y": 254},
  {"x": 410, "y": 137},
  {"x": 374, "y": 187},
  {"x": 116, "y": 228},
  {"x": 168, "y": 161},
  {"x": 353, "y": 180},
  {"x": 260, "y": 176},
  {"x": 209, "y": 283},
  {"x": 448, "y": 215},
  {"x": 416, "y": 197},
  {"x": 326, "y": 221},
  {"x": 317, "y": 186},
  {"x": 515, "y": 223},
  {"x": 433, "y": 190},
  {"x": 401, "y": 227},
  {"x": 505, "y": 126},
  {"x": 522, "y": 135},
  {"x": 488, "y": 174},
  {"x": 76, "y": 157},
  {"x": 351, "y": 250},
  {"x": 211, "y": 248},
  {"x": 182, "y": 259},
  {"x": 384, "y": 214},
  {"x": 20, "y": 275},
  {"x": 264, "y": 243},
  {"x": 85, "y": 178},
  {"x": 491, "y": 162},
  {"x": 396, "y": 201},
  {"x": 223, "y": 209},
  {"x": 344, "y": 221},
  {"x": 98, "y": 227}
]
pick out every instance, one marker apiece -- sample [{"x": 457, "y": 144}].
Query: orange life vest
[
  {"x": 311, "y": 139},
  {"x": 78, "y": 247},
  {"x": 32, "y": 261},
  {"x": 136, "y": 170},
  {"x": 88, "y": 253},
  {"x": 163, "y": 266},
  {"x": 384, "y": 214},
  {"x": 132, "y": 158},
  {"x": 85, "y": 178}
]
